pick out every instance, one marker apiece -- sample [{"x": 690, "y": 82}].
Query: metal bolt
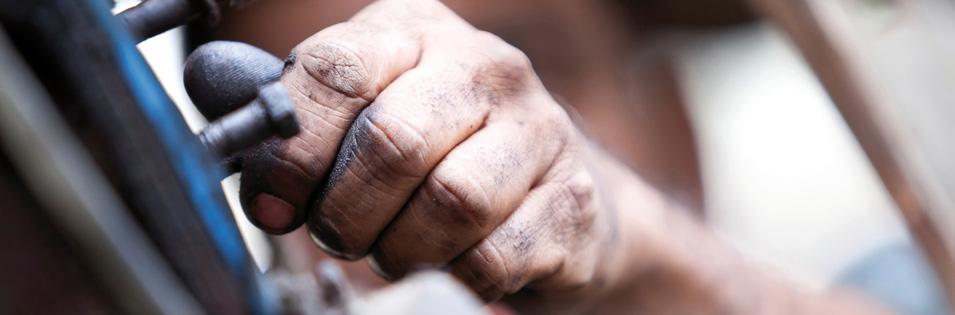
[
  {"x": 152, "y": 17},
  {"x": 270, "y": 114}
]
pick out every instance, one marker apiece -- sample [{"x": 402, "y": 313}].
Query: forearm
[{"x": 683, "y": 268}]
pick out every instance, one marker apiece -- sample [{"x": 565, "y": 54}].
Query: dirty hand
[{"x": 429, "y": 143}]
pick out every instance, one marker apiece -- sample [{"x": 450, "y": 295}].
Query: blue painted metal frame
[{"x": 194, "y": 167}]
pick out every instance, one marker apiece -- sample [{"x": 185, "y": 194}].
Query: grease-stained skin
[{"x": 427, "y": 143}]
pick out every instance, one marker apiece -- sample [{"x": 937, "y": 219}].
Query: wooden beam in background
[{"x": 824, "y": 36}]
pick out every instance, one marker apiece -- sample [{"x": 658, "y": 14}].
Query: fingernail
[
  {"x": 376, "y": 268},
  {"x": 331, "y": 244},
  {"x": 271, "y": 213}
]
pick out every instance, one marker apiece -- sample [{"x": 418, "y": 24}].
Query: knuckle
[
  {"x": 337, "y": 66},
  {"x": 578, "y": 197},
  {"x": 497, "y": 273},
  {"x": 504, "y": 68},
  {"x": 464, "y": 200},
  {"x": 485, "y": 270},
  {"x": 557, "y": 123},
  {"x": 555, "y": 117},
  {"x": 502, "y": 52},
  {"x": 396, "y": 144}
]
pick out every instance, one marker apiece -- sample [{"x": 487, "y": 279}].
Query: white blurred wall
[{"x": 783, "y": 176}]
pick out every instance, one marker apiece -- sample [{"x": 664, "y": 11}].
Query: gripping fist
[{"x": 428, "y": 143}]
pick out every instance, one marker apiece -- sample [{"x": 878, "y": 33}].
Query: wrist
[
  {"x": 635, "y": 218},
  {"x": 665, "y": 260}
]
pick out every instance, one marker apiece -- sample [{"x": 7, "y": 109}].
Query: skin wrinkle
[
  {"x": 307, "y": 170},
  {"x": 508, "y": 161},
  {"x": 555, "y": 159},
  {"x": 356, "y": 140},
  {"x": 373, "y": 176},
  {"x": 565, "y": 215},
  {"x": 303, "y": 152},
  {"x": 341, "y": 69},
  {"x": 525, "y": 249},
  {"x": 416, "y": 215},
  {"x": 287, "y": 162},
  {"x": 423, "y": 222},
  {"x": 499, "y": 285},
  {"x": 522, "y": 243},
  {"x": 500, "y": 77},
  {"x": 554, "y": 271},
  {"x": 457, "y": 202},
  {"x": 419, "y": 142},
  {"x": 583, "y": 210},
  {"x": 550, "y": 217},
  {"x": 472, "y": 275},
  {"x": 568, "y": 147},
  {"x": 275, "y": 146},
  {"x": 309, "y": 94},
  {"x": 418, "y": 134},
  {"x": 344, "y": 220},
  {"x": 312, "y": 114},
  {"x": 347, "y": 220},
  {"x": 485, "y": 278},
  {"x": 322, "y": 225},
  {"x": 438, "y": 101}
]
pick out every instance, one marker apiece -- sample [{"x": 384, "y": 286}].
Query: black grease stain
[
  {"x": 321, "y": 226},
  {"x": 290, "y": 60},
  {"x": 356, "y": 139},
  {"x": 523, "y": 242},
  {"x": 222, "y": 76}
]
